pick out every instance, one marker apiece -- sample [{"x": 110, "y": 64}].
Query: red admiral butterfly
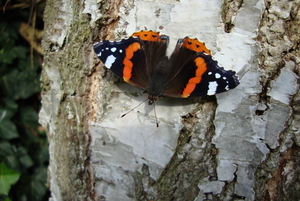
[{"x": 142, "y": 62}]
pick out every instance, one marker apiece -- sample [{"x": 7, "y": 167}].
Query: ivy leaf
[
  {"x": 9, "y": 31},
  {"x": 37, "y": 186},
  {"x": 21, "y": 84},
  {"x": 29, "y": 118},
  {"x": 8, "y": 53},
  {"x": 8, "y": 177},
  {"x": 8, "y": 108},
  {"x": 8, "y": 129}
]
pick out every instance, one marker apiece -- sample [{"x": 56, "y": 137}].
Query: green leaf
[
  {"x": 4, "y": 68},
  {"x": 21, "y": 84},
  {"x": 4, "y": 198},
  {"x": 8, "y": 108},
  {"x": 28, "y": 84},
  {"x": 24, "y": 158},
  {"x": 8, "y": 31},
  {"x": 8, "y": 177},
  {"x": 9, "y": 52},
  {"x": 5, "y": 149},
  {"x": 9, "y": 81},
  {"x": 13, "y": 162},
  {"x": 37, "y": 186},
  {"x": 8, "y": 129},
  {"x": 29, "y": 118},
  {"x": 7, "y": 199}
]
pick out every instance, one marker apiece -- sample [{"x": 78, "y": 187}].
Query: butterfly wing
[
  {"x": 125, "y": 58},
  {"x": 209, "y": 78},
  {"x": 133, "y": 59},
  {"x": 155, "y": 47},
  {"x": 193, "y": 72}
]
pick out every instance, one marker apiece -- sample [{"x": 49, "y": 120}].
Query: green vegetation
[{"x": 23, "y": 142}]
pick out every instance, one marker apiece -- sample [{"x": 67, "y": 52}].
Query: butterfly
[{"x": 141, "y": 61}]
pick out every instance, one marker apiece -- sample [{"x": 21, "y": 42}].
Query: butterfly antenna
[
  {"x": 134, "y": 108},
  {"x": 155, "y": 115}
]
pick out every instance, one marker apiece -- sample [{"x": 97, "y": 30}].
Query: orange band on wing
[
  {"x": 195, "y": 45},
  {"x": 191, "y": 85},
  {"x": 127, "y": 70}
]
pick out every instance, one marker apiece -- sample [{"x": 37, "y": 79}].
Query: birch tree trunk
[{"x": 239, "y": 145}]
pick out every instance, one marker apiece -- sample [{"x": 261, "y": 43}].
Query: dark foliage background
[{"x": 23, "y": 142}]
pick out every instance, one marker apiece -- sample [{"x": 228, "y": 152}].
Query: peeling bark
[
  {"x": 228, "y": 13},
  {"x": 69, "y": 82},
  {"x": 278, "y": 176}
]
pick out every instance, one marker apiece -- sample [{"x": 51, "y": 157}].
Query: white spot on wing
[
  {"x": 99, "y": 55},
  {"x": 209, "y": 73},
  {"x": 212, "y": 88},
  {"x": 106, "y": 48},
  {"x": 109, "y": 61},
  {"x": 217, "y": 75},
  {"x": 113, "y": 49},
  {"x": 120, "y": 50}
]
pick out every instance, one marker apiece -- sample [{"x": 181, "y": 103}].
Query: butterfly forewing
[{"x": 125, "y": 58}]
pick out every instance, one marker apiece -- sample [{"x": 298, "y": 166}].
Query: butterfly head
[{"x": 152, "y": 98}]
